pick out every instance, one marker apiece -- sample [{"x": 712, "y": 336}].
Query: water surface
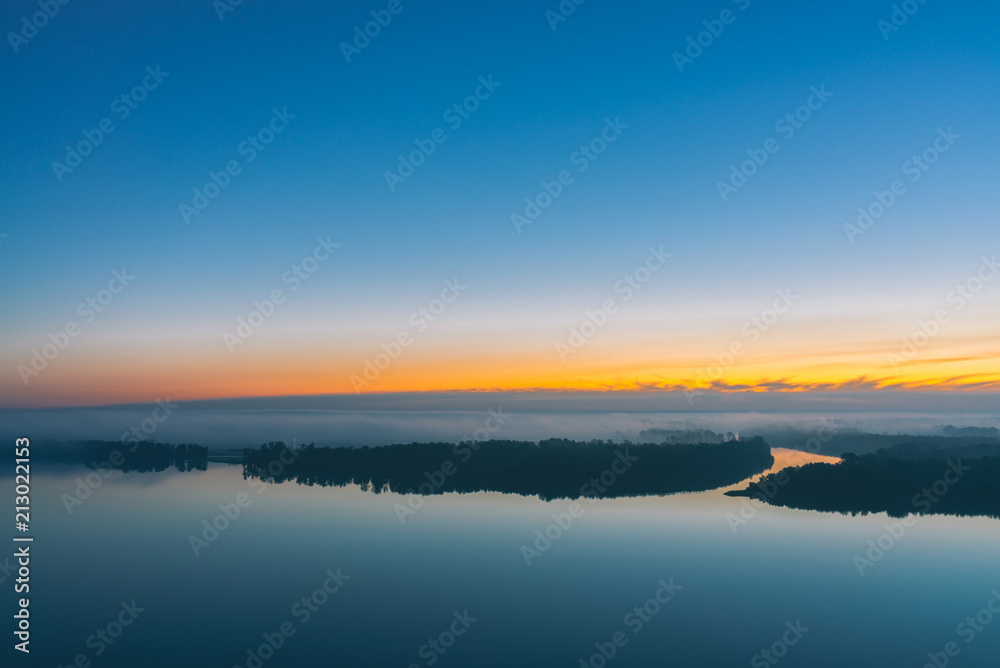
[{"x": 131, "y": 540}]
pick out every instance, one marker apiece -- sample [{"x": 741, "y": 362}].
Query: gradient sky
[{"x": 656, "y": 185}]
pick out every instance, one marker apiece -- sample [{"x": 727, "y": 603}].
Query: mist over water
[{"x": 233, "y": 427}]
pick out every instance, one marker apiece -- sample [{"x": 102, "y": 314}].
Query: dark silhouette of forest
[
  {"x": 862, "y": 443},
  {"x": 144, "y": 456},
  {"x": 550, "y": 469},
  {"x": 907, "y": 478},
  {"x": 661, "y": 435}
]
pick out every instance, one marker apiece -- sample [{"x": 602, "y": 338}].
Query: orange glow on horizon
[
  {"x": 116, "y": 372},
  {"x": 129, "y": 381}
]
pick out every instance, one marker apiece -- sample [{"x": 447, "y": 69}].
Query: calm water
[{"x": 462, "y": 555}]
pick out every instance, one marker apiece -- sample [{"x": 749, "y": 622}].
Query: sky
[{"x": 581, "y": 220}]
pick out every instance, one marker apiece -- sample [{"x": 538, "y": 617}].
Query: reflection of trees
[
  {"x": 882, "y": 482},
  {"x": 145, "y": 456},
  {"x": 554, "y": 468}
]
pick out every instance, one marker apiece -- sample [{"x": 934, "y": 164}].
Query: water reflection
[{"x": 130, "y": 540}]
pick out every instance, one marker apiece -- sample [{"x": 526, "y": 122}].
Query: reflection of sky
[
  {"x": 130, "y": 540},
  {"x": 783, "y": 458}
]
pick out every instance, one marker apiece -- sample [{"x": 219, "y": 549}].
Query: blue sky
[{"x": 324, "y": 174}]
